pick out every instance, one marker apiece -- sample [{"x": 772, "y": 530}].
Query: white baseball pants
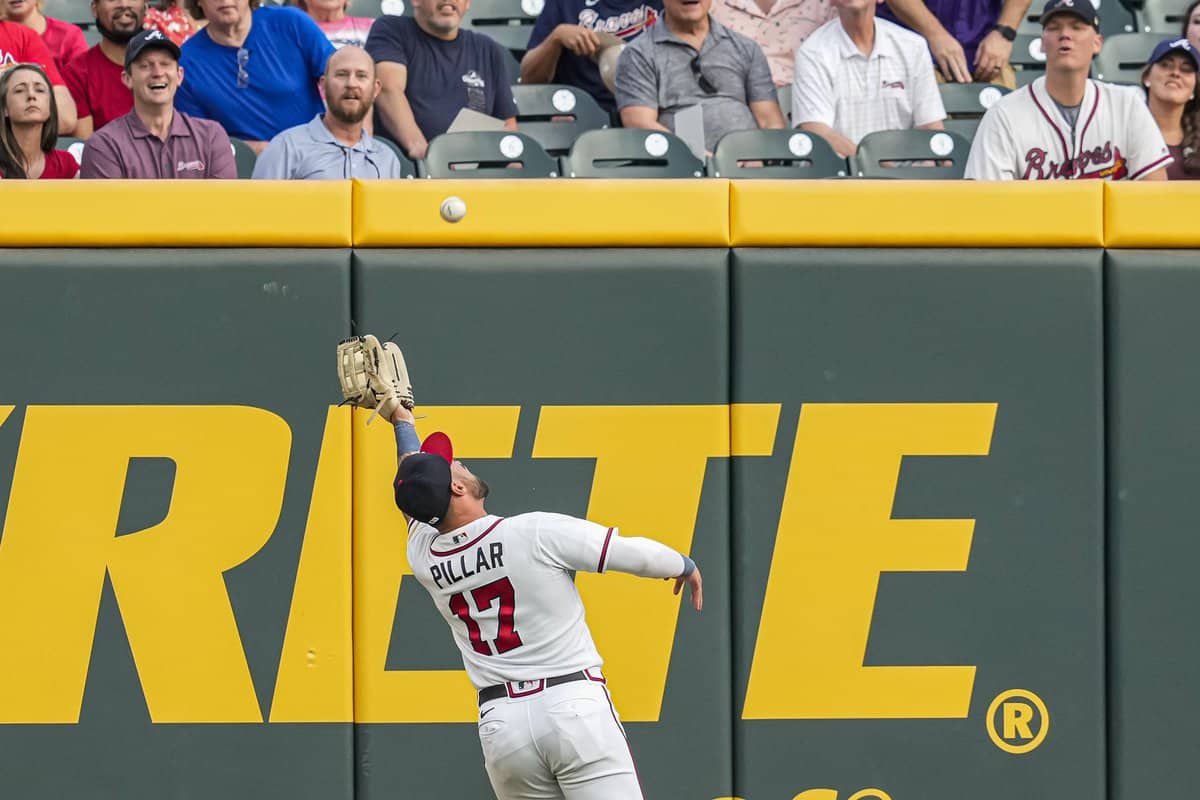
[{"x": 562, "y": 743}]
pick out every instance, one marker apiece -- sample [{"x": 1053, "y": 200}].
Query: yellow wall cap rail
[
  {"x": 543, "y": 213},
  {"x": 1152, "y": 214},
  {"x": 175, "y": 213}
]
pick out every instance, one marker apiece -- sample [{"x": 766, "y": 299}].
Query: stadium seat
[
  {"x": 244, "y": 157},
  {"x": 1122, "y": 58},
  {"x": 969, "y": 100},
  {"x": 785, "y": 101},
  {"x": 775, "y": 154},
  {"x": 509, "y": 22},
  {"x": 71, "y": 145},
  {"x": 407, "y": 168},
  {"x": 487, "y": 154},
  {"x": 70, "y": 10},
  {"x": 377, "y": 8},
  {"x": 889, "y": 154},
  {"x": 1028, "y": 59},
  {"x": 555, "y": 114},
  {"x": 963, "y": 127},
  {"x": 1164, "y": 17},
  {"x": 630, "y": 153}
]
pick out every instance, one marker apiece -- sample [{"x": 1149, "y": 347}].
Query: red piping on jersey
[
  {"x": 604, "y": 550},
  {"x": 471, "y": 543},
  {"x": 637, "y": 775},
  {"x": 1061, "y": 139},
  {"x": 1092, "y": 116},
  {"x": 590, "y": 677},
  {"x": 1144, "y": 170}
]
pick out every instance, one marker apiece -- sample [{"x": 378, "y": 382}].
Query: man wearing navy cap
[{"x": 1065, "y": 125}]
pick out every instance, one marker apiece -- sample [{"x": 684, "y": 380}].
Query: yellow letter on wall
[
  {"x": 59, "y": 538},
  {"x": 835, "y": 537}
]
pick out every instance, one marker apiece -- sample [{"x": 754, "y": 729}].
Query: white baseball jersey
[
  {"x": 505, "y": 588},
  {"x": 1025, "y": 136}
]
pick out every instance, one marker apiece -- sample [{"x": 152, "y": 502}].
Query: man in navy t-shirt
[
  {"x": 431, "y": 69},
  {"x": 254, "y": 70},
  {"x": 563, "y": 42}
]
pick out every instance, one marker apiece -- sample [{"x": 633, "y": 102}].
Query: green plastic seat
[
  {"x": 509, "y": 22},
  {"x": 967, "y": 100},
  {"x": 408, "y": 169},
  {"x": 1123, "y": 57},
  {"x": 555, "y": 114},
  {"x": 775, "y": 154},
  {"x": 890, "y": 154},
  {"x": 244, "y": 157},
  {"x": 1164, "y": 17},
  {"x": 487, "y": 154},
  {"x": 630, "y": 153}
]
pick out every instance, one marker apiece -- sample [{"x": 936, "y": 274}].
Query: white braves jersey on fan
[
  {"x": 1025, "y": 136},
  {"x": 504, "y": 587}
]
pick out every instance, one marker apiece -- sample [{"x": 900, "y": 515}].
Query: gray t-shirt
[{"x": 656, "y": 71}]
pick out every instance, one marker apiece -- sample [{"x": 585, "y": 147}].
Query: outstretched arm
[{"x": 647, "y": 558}]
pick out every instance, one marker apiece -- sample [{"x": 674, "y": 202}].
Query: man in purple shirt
[
  {"x": 154, "y": 140},
  {"x": 971, "y": 40}
]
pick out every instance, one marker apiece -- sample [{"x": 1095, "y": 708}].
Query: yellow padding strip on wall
[
  {"x": 916, "y": 214},
  {"x": 1152, "y": 214},
  {"x": 543, "y": 213},
  {"x": 175, "y": 214}
]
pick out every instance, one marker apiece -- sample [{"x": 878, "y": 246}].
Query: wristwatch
[{"x": 1006, "y": 32}]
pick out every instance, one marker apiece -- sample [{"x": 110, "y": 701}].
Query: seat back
[
  {"x": 377, "y": 8},
  {"x": 555, "y": 114},
  {"x": 72, "y": 145},
  {"x": 1164, "y": 17},
  {"x": 964, "y": 127},
  {"x": 1028, "y": 58},
  {"x": 775, "y": 154},
  {"x": 509, "y": 22},
  {"x": 969, "y": 100},
  {"x": 630, "y": 153},
  {"x": 244, "y": 157},
  {"x": 902, "y": 154},
  {"x": 407, "y": 168},
  {"x": 70, "y": 10},
  {"x": 1122, "y": 58},
  {"x": 487, "y": 154}
]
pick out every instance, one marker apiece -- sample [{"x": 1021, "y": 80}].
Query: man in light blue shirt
[{"x": 334, "y": 145}]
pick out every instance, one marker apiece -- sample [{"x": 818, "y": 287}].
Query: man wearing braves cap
[
  {"x": 154, "y": 140},
  {"x": 1065, "y": 125},
  {"x": 505, "y": 587}
]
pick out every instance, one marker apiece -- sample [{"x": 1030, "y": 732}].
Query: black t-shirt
[{"x": 443, "y": 77}]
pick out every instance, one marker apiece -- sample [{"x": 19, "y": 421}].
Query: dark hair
[
  {"x": 12, "y": 158},
  {"x": 1187, "y": 16},
  {"x": 1190, "y": 120},
  {"x": 193, "y": 7}
]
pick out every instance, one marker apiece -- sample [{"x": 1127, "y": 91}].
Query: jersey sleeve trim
[
  {"x": 469, "y": 544},
  {"x": 1162, "y": 162},
  {"x": 604, "y": 550}
]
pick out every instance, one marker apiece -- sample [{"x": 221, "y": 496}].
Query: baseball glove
[{"x": 373, "y": 375}]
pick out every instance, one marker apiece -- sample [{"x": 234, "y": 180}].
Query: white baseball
[{"x": 453, "y": 209}]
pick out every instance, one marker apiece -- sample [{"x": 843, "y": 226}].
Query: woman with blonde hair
[
  {"x": 29, "y": 127},
  {"x": 340, "y": 28},
  {"x": 1170, "y": 83},
  {"x": 63, "y": 40}
]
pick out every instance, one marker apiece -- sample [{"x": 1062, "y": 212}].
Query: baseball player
[
  {"x": 505, "y": 587},
  {"x": 1064, "y": 125}
]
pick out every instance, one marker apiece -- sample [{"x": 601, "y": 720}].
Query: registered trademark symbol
[{"x": 1017, "y": 721}]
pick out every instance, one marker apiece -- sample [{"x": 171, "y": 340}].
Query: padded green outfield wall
[{"x": 935, "y": 470}]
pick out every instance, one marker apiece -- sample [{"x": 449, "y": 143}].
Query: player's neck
[
  {"x": 1066, "y": 87},
  {"x": 460, "y": 518}
]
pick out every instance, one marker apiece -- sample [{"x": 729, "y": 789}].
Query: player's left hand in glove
[{"x": 374, "y": 375}]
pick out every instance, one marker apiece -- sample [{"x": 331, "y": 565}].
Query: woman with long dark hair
[
  {"x": 1191, "y": 24},
  {"x": 1170, "y": 83},
  {"x": 29, "y": 127}
]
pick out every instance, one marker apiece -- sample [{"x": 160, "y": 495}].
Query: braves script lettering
[{"x": 1103, "y": 162}]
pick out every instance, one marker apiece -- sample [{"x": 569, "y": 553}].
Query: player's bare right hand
[{"x": 696, "y": 583}]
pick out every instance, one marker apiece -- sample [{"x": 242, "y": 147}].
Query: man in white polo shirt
[{"x": 857, "y": 74}]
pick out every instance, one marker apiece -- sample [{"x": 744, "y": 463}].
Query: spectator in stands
[
  {"x": 340, "y": 28},
  {"x": 858, "y": 74},
  {"x": 95, "y": 77},
  {"x": 1064, "y": 125},
  {"x": 1170, "y": 82},
  {"x": 174, "y": 20},
  {"x": 971, "y": 40},
  {"x": 564, "y": 43},
  {"x": 779, "y": 27},
  {"x": 154, "y": 140},
  {"x": 334, "y": 145},
  {"x": 1191, "y": 24},
  {"x": 690, "y": 59},
  {"x": 252, "y": 69},
  {"x": 30, "y": 124},
  {"x": 63, "y": 39},
  {"x": 20, "y": 45},
  {"x": 431, "y": 69}
]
